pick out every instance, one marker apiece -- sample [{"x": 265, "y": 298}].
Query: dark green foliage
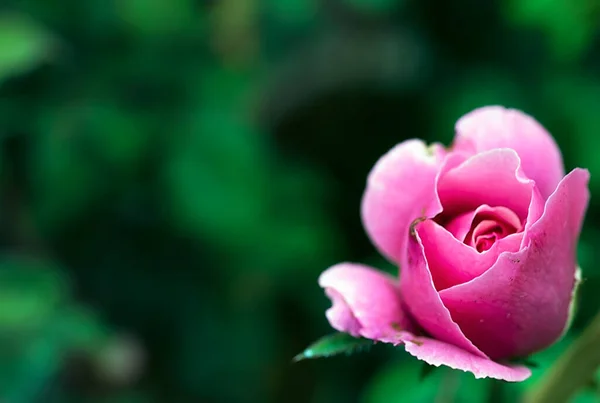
[{"x": 175, "y": 174}]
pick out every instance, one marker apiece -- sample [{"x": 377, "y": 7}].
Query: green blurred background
[{"x": 175, "y": 174}]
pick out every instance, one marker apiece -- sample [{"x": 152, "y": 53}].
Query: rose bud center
[{"x": 481, "y": 228}]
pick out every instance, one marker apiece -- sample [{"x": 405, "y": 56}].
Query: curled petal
[
  {"x": 400, "y": 188},
  {"x": 423, "y": 300},
  {"x": 496, "y": 127},
  {"x": 492, "y": 177},
  {"x": 521, "y": 304},
  {"x": 366, "y": 302}
]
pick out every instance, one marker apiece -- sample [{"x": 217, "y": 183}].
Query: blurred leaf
[
  {"x": 569, "y": 24},
  {"x": 294, "y": 12},
  {"x": 34, "y": 296},
  {"x": 39, "y": 362},
  {"x": 234, "y": 30},
  {"x": 80, "y": 329},
  {"x": 334, "y": 344},
  {"x": 245, "y": 335},
  {"x": 379, "y": 6},
  {"x": 216, "y": 170},
  {"x": 214, "y": 189},
  {"x": 586, "y": 396},
  {"x": 126, "y": 396},
  {"x": 157, "y": 17},
  {"x": 400, "y": 381},
  {"x": 81, "y": 151},
  {"x": 544, "y": 360},
  {"x": 30, "y": 292},
  {"x": 574, "y": 100},
  {"x": 23, "y": 45}
]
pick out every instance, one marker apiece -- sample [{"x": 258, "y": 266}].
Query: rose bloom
[{"x": 485, "y": 234}]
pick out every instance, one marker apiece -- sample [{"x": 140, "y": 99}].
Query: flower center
[{"x": 481, "y": 228}]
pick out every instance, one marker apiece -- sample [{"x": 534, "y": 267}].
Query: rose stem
[{"x": 573, "y": 369}]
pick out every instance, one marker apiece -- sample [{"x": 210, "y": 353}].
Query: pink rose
[{"x": 485, "y": 233}]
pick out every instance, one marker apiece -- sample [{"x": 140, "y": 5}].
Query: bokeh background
[{"x": 175, "y": 174}]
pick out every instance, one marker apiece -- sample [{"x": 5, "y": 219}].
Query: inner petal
[
  {"x": 493, "y": 177},
  {"x": 451, "y": 261},
  {"x": 490, "y": 224},
  {"x": 486, "y": 227},
  {"x": 485, "y": 242},
  {"x": 461, "y": 225}
]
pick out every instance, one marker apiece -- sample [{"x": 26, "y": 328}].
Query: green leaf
[
  {"x": 334, "y": 344},
  {"x": 23, "y": 44}
]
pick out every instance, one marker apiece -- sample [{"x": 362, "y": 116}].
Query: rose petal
[
  {"x": 399, "y": 190},
  {"x": 438, "y": 353},
  {"x": 492, "y": 177},
  {"x": 521, "y": 304},
  {"x": 423, "y": 301},
  {"x": 536, "y": 209},
  {"x": 366, "y": 302},
  {"x": 451, "y": 262},
  {"x": 461, "y": 225},
  {"x": 496, "y": 127},
  {"x": 340, "y": 315}
]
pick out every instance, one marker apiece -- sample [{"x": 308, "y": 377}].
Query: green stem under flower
[{"x": 572, "y": 371}]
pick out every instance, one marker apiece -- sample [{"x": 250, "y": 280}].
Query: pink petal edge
[
  {"x": 492, "y": 177},
  {"x": 435, "y": 352},
  {"x": 366, "y": 302},
  {"x": 424, "y": 302},
  {"x": 354, "y": 287},
  {"x": 497, "y": 127},
  {"x": 400, "y": 188}
]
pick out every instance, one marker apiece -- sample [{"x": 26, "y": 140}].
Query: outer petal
[
  {"x": 366, "y": 302},
  {"x": 438, "y": 353},
  {"x": 496, "y": 127},
  {"x": 521, "y": 304},
  {"x": 399, "y": 189},
  {"x": 424, "y": 303}
]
